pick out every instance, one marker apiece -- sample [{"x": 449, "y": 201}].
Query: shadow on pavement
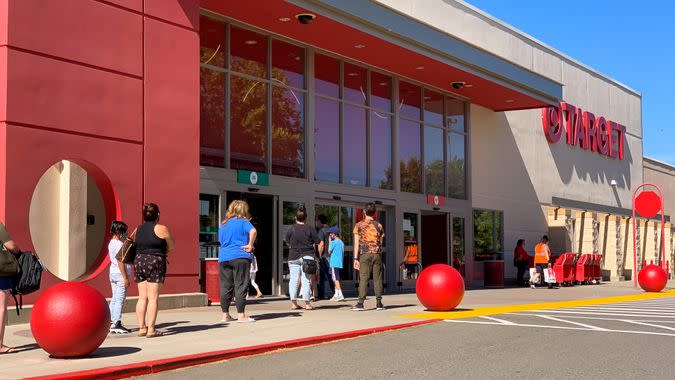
[
  {"x": 27, "y": 347},
  {"x": 108, "y": 352},
  {"x": 166, "y": 325},
  {"x": 389, "y": 307},
  {"x": 332, "y": 307},
  {"x": 262, "y": 317},
  {"x": 192, "y": 328}
]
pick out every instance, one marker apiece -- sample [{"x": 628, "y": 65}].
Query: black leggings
[{"x": 234, "y": 277}]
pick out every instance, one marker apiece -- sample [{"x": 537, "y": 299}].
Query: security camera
[
  {"x": 457, "y": 85},
  {"x": 305, "y": 18}
]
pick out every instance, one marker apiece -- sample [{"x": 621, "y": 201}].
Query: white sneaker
[{"x": 340, "y": 299}]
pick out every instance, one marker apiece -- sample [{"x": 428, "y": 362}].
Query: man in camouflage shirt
[{"x": 368, "y": 236}]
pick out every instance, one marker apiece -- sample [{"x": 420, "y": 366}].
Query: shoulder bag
[{"x": 127, "y": 254}]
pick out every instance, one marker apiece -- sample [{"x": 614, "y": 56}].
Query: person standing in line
[
  {"x": 368, "y": 236},
  {"x": 153, "y": 243},
  {"x": 301, "y": 240},
  {"x": 336, "y": 250},
  {"x": 237, "y": 236},
  {"x": 7, "y": 247},
  {"x": 542, "y": 256},
  {"x": 521, "y": 260},
  {"x": 119, "y": 278},
  {"x": 254, "y": 271},
  {"x": 324, "y": 278}
]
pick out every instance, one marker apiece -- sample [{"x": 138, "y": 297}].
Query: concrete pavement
[{"x": 195, "y": 330}]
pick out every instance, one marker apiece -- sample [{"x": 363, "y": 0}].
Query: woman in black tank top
[{"x": 153, "y": 242}]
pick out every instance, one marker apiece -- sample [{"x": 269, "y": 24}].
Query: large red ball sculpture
[
  {"x": 440, "y": 287},
  {"x": 70, "y": 319},
  {"x": 652, "y": 278}
]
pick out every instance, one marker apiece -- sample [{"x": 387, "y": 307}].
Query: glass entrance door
[
  {"x": 457, "y": 230},
  {"x": 287, "y": 209}
]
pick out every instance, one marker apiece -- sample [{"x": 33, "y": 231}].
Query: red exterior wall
[{"x": 114, "y": 86}]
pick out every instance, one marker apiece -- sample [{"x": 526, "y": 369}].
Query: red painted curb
[{"x": 154, "y": 366}]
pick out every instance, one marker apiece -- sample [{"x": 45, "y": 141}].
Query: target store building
[{"x": 465, "y": 132}]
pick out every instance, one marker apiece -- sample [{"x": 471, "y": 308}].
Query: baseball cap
[{"x": 334, "y": 230}]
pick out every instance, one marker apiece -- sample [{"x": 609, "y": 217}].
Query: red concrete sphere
[
  {"x": 440, "y": 287},
  {"x": 70, "y": 319},
  {"x": 652, "y": 278}
]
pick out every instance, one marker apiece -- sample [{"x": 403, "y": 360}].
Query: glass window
[
  {"x": 354, "y": 154},
  {"x": 410, "y": 156},
  {"x": 433, "y": 108},
  {"x": 347, "y": 225},
  {"x": 458, "y": 255},
  {"x": 327, "y": 140},
  {"x": 248, "y": 120},
  {"x": 211, "y": 118},
  {"x": 288, "y": 132},
  {"x": 456, "y": 166},
  {"x": 380, "y": 91},
  {"x": 211, "y": 41},
  {"x": 355, "y": 84},
  {"x": 327, "y": 75},
  {"x": 380, "y": 151},
  {"x": 288, "y": 219},
  {"x": 488, "y": 235},
  {"x": 409, "y": 98},
  {"x": 454, "y": 111},
  {"x": 208, "y": 225},
  {"x": 248, "y": 52},
  {"x": 288, "y": 64},
  {"x": 433, "y": 160}
]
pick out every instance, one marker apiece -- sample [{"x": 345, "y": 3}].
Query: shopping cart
[
  {"x": 584, "y": 271},
  {"x": 564, "y": 269}
]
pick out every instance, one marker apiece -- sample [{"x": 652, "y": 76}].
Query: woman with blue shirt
[{"x": 236, "y": 235}]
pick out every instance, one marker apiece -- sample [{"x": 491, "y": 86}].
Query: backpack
[{"x": 28, "y": 280}]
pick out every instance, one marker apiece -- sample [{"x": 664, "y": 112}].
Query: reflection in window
[
  {"x": 211, "y": 41},
  {"x": 327, "y": 75},
  {"x": 355, "y": 87},
  {"x": 212, "y": 118},
  {"x": 248, "y": 52},
  {"x": 327, "y": 140},
  {"x": 433, "y": 108},
  {"x": 433, "y": 160},
  {"x": 488, "y": 235},
  {"x": 288, "y": 132},
  {"x": 248, "y": 134},
  {"x": 410, "y": 156},
  {"x": 456, "y": 166},
  {"x": 380, "y": 91},
  {"x": 457, "y": 233},
  {"x": 454, "y": 111},
  {"x": 354, "y": 155},
  {"x": 208, "y": 225},
  {"x": 409, "y": 97},
  {"x": 288, "y": 64},
  {"x": 380, "y": 151}
]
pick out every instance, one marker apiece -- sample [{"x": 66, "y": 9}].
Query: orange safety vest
[
  {"x": 411, "y": 255},
  {"x": 540, "y": 254}
]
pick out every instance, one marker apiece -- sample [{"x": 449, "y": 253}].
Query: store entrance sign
[
  {"x": 582, "y": 128},
  {"x": 435, "y": 200},
  {"x": 252, "y": 178}
]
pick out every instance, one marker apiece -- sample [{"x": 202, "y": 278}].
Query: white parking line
[
  {"x": 626, "y": 309},
  {"x": 648, "y": 324},
  {"x": 598, "y": 318},
  {"x": 502, "y": 321},
  {"x": 606, "y": 313},
  {"x": 558, "y": 327},
  {"x": 591, "y": 327}
]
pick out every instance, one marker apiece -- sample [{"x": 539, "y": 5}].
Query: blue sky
[{"x": 632, "y": 42}]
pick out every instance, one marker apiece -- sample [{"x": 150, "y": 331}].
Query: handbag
[
  {"x": 127, "y": 254},
  {"x": 309, "y": 266},
  {"x": 9, "y": 265}
]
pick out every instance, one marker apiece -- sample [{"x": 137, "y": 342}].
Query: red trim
[
  {"x": 182, "y": 275},
  {"x": 154, "y": 366}
]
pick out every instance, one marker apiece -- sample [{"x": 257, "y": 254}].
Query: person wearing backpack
[
  {"x": 119, "y": 278},
  {"x": 301, "y": 239},
  {"x": 7, "y": 247}
]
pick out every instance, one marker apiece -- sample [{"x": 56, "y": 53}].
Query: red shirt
[{"x": 521, "y": 254}]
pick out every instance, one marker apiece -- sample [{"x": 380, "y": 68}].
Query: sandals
[
  {"x": 7, "y": 350},
  {"x": 247, "y": 320},
  {"x": 142, "y": 332},
  {"x": 295, "y": 307},
  {"x": 309, "y": 307},
  {"x": 227, "y": 320},
  {"x": 155, "y": 334}
]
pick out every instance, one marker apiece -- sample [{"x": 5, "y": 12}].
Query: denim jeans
[
  {"x": 119, "y": 293},
  {"x": 297, "y": 275}
]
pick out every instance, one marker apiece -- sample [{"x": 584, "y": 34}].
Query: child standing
[
  {"x": 336, "y": 250},
  {"x": 119, "y": 278},
  {"x": 254, "y": 270}
]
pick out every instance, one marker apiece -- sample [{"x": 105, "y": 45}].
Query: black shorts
[{"x": 150, "y": 268}]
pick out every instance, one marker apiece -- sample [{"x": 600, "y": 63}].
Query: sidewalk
[{"x": 194, "y": 330}]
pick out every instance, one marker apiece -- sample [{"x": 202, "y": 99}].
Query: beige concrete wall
[
  {"x": 662, "y": 175},
  {"x": 96, "y": 232},
  {"x": 44, "y": 217}
]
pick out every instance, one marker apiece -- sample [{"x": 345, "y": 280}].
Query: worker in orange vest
[{"x": 542, "y": 256}]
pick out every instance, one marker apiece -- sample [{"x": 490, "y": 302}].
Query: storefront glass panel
[
  {"x": 454, "y": 114},
  {"x": 354, "y": 153},
  {"x": 327, "y": 140},
  {"x": 488, "y": 235},
  {"x": 212, "y": 118},
  {"x": 433, "y": 160},
  {"x": 288, "y": 210},
  {"x": 410, "y": 156},
  {"x": 288, "y": 132},
  {"x": 411, "y": 259},
  {"x": 409, "y": 100},
  {"x": 433, "y": 108},
  {"x": 288, "y": 64},
  {"x": 458, "y": 253},
  {"x": 211, "y": 42},
  {"x": 248, "y": 52},
  {"x": 456, "y": 166},
  {"x": 327, "y": 75},
  {"x": 248, "y": 120},
  {"x": 355, "y": 84},
  {"x": 380, "y": 93},
  {"x": 380, "y": 151},
  {"x": 208, "y": 225}
]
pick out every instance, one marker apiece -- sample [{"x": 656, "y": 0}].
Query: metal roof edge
[{"x": 658, "y": 162}]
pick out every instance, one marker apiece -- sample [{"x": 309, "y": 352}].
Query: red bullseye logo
[{"x": 648, "y": 204}]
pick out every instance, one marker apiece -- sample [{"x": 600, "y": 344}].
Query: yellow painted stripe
[{"x": 482, "y": 311}]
